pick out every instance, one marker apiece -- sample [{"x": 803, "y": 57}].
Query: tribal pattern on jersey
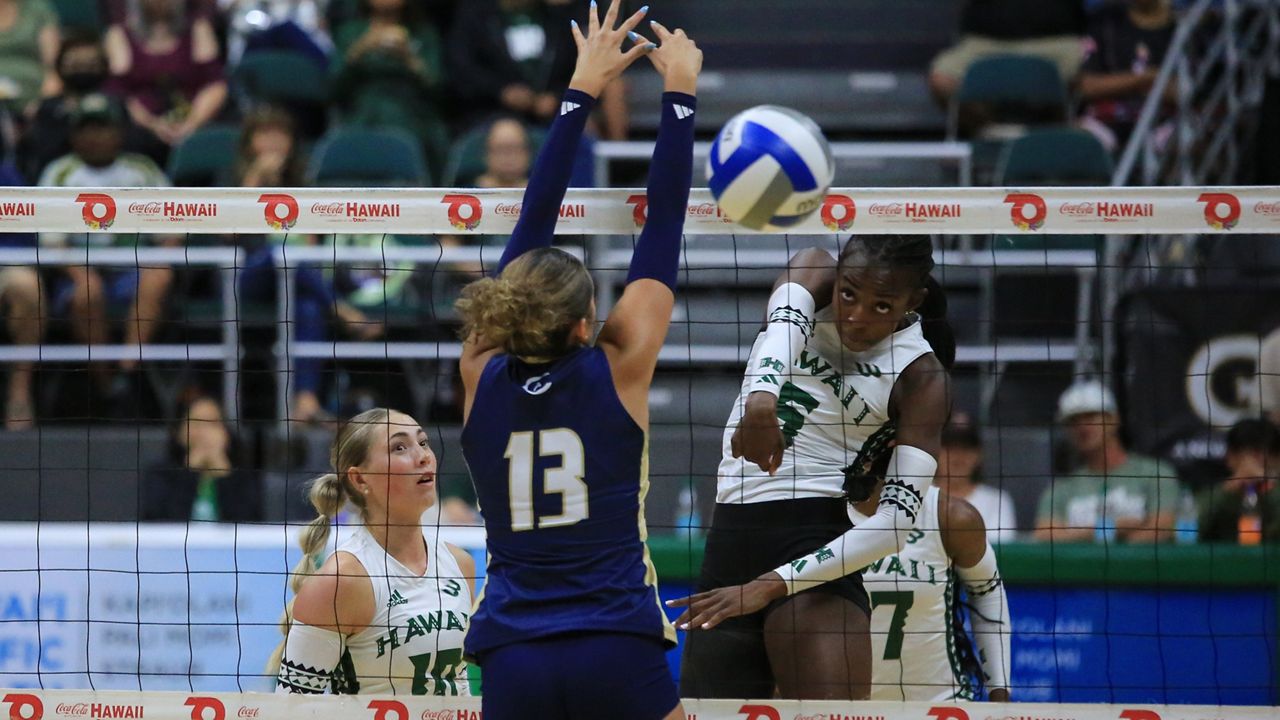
[{"x": 302, "y": 679}]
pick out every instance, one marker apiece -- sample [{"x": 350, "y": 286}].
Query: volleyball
[{"x": 769, "y": 168}]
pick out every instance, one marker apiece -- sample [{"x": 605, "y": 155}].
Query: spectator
[
  {"x": 20, "y": 299},
  {"x": 1253, "y": 464},
  {"x": 1125, "y": 47},
  {"x": 97, "y": 138},
  {"x": 506, "y": 155},
  {"x": 29, "y": 40},
  {"x": 960, "y": 475},
  {"x": 516, "y": 56},
  {"x": 297, "y": 25},
  {"x": 389, "y": 72},
  {"x": 1051, "y": 29},
  {"x": 269, "y": 156},
  {"x": 1115, "y": 493},
  {"x": 201, "y": 479},
  {"x": 82, "y": 69},
  {"x": 165, "y": 66}
]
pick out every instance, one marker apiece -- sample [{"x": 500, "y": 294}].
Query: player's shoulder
[
  {"x": 955, "y": 514},
  {"x": 466, "y": 562}
]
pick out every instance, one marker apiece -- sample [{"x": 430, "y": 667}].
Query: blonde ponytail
[
  {"x": 529, "y": 310},
  {"x": 328, "y": 493}
]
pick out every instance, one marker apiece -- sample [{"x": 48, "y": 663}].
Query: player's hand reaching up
[
  {"x": 677, "y": 59},
  {"x": 600, "y": 55}
]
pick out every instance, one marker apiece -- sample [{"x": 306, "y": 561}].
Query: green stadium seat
[
  {"x": 79, "y": 14},
  {"x": 1017, "y": 89},
  {"x": 281, "y": 76},
  {"x": 368, "y": 157},
  {"x": 206, "y": 158},
  {"x": 1055, "y": 156}
]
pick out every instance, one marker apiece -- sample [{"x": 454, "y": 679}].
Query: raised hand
[
  {"x": 600, "y": 55},
  {"x": 677, "y": 59}
]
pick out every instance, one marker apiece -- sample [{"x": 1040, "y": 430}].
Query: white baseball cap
[{"x": 1086, "y": 396}]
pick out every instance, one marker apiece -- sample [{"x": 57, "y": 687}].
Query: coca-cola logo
[
  {"x": 703, "y": 210},
  {"x": 199, "y": 704},
  {"x": 1221, "y": 210},
  {"x": 838, "y": 212},
  {"x": 1080, "y": 209},
  {"x": 388, "y": 710},
  {"x": 639, "y": 209},
  {"x": 1271, "y": 209},
  {"x": 1027, "y": 211},
  {"x": 465, "y": 211},
  {"x": 23, "y": 706},
  {"x": 145, "y": 208},
  {"x": 886, "y": 209},
  {"x": 248, "y": 712},
  {"x": 508, "y": 209},
  {"x": 437, "y": 715},
  {"x": 759, "y": 712},
  {"x": 280, "y": 211},
  {"x": 80, "y": 709},
  {"x": 329, "y": 209},
  {"x": 98, "y": 210}
]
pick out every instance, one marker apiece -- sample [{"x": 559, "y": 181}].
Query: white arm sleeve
[
  {"x": 989, "y": 615},
  {"x": 910, "y": 472},
  {"x": 310, "y": 656},
  {"x": 790, "y": 322}
]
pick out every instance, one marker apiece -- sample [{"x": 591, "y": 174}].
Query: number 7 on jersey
[{"x": 565, "y": 480}]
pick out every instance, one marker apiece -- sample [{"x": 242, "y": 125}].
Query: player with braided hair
[
  {"x": 388, "y": 610},
  {"x": 852, "y": 362}
]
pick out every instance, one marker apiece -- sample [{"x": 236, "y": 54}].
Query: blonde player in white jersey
[
  {"x": 853, "y": 355},
  {"x": 919, "y": 648},
  {"x": 387, "y": 611}
]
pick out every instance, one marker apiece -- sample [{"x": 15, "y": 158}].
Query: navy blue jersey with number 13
[{"x": 561, "y": 471}]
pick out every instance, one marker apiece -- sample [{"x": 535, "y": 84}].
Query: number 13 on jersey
[{"x": 564, "y": 480}]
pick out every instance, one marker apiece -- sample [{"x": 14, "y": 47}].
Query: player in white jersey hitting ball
[
  {"x": 919, "y": 647},
  {"x": 842, "y": 368},
  {"x": 387, "y": 612}
]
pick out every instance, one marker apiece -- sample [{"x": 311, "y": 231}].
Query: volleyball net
[{"x": 286, "y": 308}]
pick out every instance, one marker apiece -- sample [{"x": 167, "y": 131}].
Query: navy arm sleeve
[
  {"x": 657, "y": 252},
  {"x": 549, "y": 178}
]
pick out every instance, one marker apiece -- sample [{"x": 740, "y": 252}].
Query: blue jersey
[{"x": 561, "y": 471}]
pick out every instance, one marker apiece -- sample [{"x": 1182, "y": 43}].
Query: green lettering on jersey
[
  {"x": 915, "y": 570},
  {"x": 415, "y": 630},
  {"x": 875, "y": 566},
  {"x": 453, "y": 623},
  {"x": 793, "y": 405},
  {"x": 452, "y": 588},
  {"x": 798, "y": 565},
  {"x": 895, "y": 566},
  {"x": 914, "y": 536},
  {"x": 813, "y": 363},
  {"x": 823, "y": 555},
  {"x": 433, "y": 621},
  {"x": 773, "y": 364},
  {"x": 835, "y": 382}
]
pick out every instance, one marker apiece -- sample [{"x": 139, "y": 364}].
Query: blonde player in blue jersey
[
  {"x": 387, "y": 611},
  {"x": 556, "y": 425}
]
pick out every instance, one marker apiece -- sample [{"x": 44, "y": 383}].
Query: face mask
[{"x": 84, "y": 81}]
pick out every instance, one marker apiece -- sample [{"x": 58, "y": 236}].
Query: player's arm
[
  {"x": 599, "y": 62},
  {"x": 467, "y": 564},
  {"x": 336, "y": 601},
  {"x": 964, "y": 535},
  {"x": 800, "y": 291},
  {"x": 919, "y": 406},
  {"x": 637, "y": 326}
]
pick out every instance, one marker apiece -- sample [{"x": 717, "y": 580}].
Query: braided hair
[{"x": 913, "y": 252}]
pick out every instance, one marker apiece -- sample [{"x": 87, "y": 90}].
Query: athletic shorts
[
  {"x": 746, "y": 541},
  {"x": 582, "y": 676}
]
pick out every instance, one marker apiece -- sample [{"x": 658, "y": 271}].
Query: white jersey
[
  {"x": 414, "y": 644},
  {"x": 834, "y": 402},
  {"x": 913, "y": 597}
]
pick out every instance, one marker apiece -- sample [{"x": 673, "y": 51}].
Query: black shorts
[{"x": 746, "y": 541}]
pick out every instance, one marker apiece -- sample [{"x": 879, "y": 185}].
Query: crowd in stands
[{"x": 124, "y": 92}]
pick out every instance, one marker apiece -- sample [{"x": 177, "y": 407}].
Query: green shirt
[
  {"x": 1219, "y": 514},
  {"x": 21, "y": 72},
  {"x": 1136, "y": 489}
]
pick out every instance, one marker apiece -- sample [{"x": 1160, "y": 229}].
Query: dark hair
[
  {"x": 177, "y": 446},
  {"x": 1254, "y": 434},
  {"x": 75, "y": 39},
  {"x": 412, "y": 15},
  {"x": 268, "y": 117},
  {"x": 913, "y": 252}
]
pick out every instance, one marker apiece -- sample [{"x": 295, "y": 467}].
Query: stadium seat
[
  {"x": 368, "y": 157},
  {"x": 1008, "y": 89},
  {"x": 1055, "y": 156},
  {"x": 281, "y": 76},
  {"x": 78, "y": 14},
  {"x": 466, "y": 157},
  {"x": 206, "y": 157}
]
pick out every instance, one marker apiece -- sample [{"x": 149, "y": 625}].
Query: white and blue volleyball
[{"x": 770, "y": 168}]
